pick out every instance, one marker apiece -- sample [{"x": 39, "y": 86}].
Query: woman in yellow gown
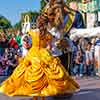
[{"x": 39, "y": 74}]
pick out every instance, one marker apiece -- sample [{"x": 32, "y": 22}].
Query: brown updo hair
[{"x": 44, "y": 35}]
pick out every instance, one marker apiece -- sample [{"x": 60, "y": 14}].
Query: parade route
[{"x": 89, "y": 89}]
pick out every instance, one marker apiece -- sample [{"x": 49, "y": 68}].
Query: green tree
[
  {"x": 4, "y": 23},
  {"x": 43, "y": 3}
]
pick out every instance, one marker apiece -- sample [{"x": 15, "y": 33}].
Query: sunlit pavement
[{"x": 89, "y": 89}]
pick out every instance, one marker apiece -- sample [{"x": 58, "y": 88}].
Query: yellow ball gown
[{"x": 38, "y": 74}]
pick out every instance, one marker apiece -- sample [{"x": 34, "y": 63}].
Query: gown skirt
[{"x": 39, "y": 74}]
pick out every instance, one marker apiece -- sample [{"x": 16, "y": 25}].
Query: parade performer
[
  {"x": 39, "y": 73},
  {"x": 71, "y": 18},
  {"x": 62, "y": 20},
  {"x": 42, "y": 74}
]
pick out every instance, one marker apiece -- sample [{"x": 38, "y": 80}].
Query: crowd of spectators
[
  {"x": 12, "y": 48},
  {"x": 15, "y": 46},
  {"x": 83, "y": 56}
]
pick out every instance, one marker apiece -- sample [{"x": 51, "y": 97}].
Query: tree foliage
[
  {"x": 4, "y": 23},
  {"x": 43, "y": 3}
]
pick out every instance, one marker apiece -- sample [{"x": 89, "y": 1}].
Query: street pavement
[{"x": 89, "y": 89}]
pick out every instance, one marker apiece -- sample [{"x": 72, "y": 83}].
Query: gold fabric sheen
[{"x": 38, "y": 74}]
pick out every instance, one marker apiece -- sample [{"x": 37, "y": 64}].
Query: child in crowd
[
  {"x": 4, "y": 66},
  {"x": 89, "y": 60},
  {"x": 12, "y": 64},
  {"x": 79, "y": 65},
  {"x": 11, "y": 60}
]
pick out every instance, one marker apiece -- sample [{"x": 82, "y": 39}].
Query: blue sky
[{"x": 12, "y": 9}]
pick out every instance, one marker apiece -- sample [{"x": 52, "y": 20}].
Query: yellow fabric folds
[{"x": 39, "y": 74}]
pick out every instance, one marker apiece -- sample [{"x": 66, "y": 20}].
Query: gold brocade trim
[{"x": 69, "y": 23}]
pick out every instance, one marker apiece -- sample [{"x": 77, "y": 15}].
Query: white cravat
[{"x": 55, "y": 51}]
